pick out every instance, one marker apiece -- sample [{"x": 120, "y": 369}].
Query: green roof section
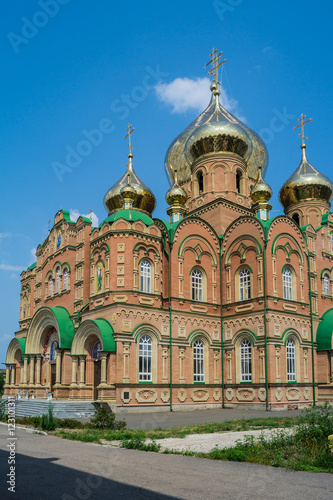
[
  {"x": 266, "y": 224},
  {"x": 65, "y": 324},
  {"x": 22, "y": 341},
  {"x": 131, "y": 215},
  {"x": 32, "y": 266},
  {"x": 324, "y": 219},
  {"x": 66, "y": 215},
  {"x": 109, "y": 344},
  {"x": 325, "y": 332}
]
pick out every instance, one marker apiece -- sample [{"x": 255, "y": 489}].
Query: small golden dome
[
  {"x": 261, "y": 191},
  {"x": 306, "y": 183},
  {"x": 176, "y": 194},
  {"x": 215, "y": 129},
  {"x": 144, "y": 200}
]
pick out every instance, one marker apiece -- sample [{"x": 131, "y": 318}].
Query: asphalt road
[
  {"x": 167, "y": 420},
  {"x": 51, "y": 468}
]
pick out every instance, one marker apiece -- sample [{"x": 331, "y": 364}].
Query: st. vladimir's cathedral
[{"x": 219, "y": 305}]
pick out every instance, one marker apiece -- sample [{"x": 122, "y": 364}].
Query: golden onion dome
[
  {"x": 215, "y": 130},
  {"x": 144, "y": 200},
  {"x": 261, "y": 191},
  {"x": 176, "y": 194},
  {"x": 306, "y": 183},
  {"x": 128, "y": 191}
]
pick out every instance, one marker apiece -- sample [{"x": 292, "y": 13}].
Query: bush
[
  {"x": 49, "y": 422},
  {"x": 3, "y": 416},
  {"x": 69, "y": 423},
  {"x": 105, "y": 418},
  {"x": 138, "y": 443},
  {"x": 316, "y": 422}
]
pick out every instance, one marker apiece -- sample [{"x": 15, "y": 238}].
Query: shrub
[
  {"x": 138, "y": 443},
  {"x": 69, "y": 423},
  {"x": 49, "y": 422},
  {"x": 3, "y": 416},
  {"x": 316, "y": 422},
  {"x": 105, "y": 418}
]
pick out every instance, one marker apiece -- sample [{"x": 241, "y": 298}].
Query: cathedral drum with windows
[{"x": 220, "y": 305}]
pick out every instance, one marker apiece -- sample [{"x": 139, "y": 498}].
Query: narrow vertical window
[
  {"x": 291, "y": 368},
  {"x": 246, "y": 361},
  {"x": 244, "y": 284},
  {"x": 326, "y": 284},
  {"x": 58, "y": 279},
  {"x": 197, "y": 287},
  {"x": 200, "y": 182},
  {"x": 97, "y": 347},
  {"x": 238, "y": 181},
  {"x": 287, "y": 284},
  {"x": 53, "y": 350},
  {"x": 198, "y": 361},
  {"x": 65, "y": 279},
  {"x": 145, "y": 282},
  {"x": 145, "y": 357},
  {"x": 99, "y": 277},
  {"x": 50, "y": 285}
]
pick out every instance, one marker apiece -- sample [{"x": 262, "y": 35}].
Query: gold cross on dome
[
  {"x": 301, "y": 124},
  {"x": 130, "y": 129},
  {"x": 216, "y": 63}
]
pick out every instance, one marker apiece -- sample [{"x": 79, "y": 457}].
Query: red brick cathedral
[{"x": 220, "y": 305}]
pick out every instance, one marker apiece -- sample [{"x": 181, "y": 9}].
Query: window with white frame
[
  {"x": 145, "y": 277},
  {"x": 244, "y": 284},
  {"x": 58, "y": 279},
  {"x": 291, "y": 365},
  {"x": 326, "y": 284},
  {"x": 198, "y": 361},
  {"x": 50, "y": 285},
  {"x": 287, "y": 284},
  {"x": 246, "y": 361},
  {"x": 145, "y": 359},
  {"x": 197, "y": 285},
  {"x": 65, "y": 279}
]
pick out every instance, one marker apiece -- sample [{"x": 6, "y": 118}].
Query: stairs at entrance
[{"x": 61, "y": 409}]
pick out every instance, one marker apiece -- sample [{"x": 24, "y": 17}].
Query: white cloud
[
  {"x": 14, "y": 276},
  {"x": 33, "y": 257},
  {"x": 5, "y": 235},
  {"x": 6, "y": 336},
  {"x": 184, "y": 94},
  {"x": 75, "y": 214},
  {"x": 7, "y": 267}
]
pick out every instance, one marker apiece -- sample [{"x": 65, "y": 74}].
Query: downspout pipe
[
  {"x": 312, "y": 344},
  {"x": 265, "y": 322},
  {"x": 168, "y": 252},
  {"x": 79, "y": 312},
  {"x": 221, "y": 319}
]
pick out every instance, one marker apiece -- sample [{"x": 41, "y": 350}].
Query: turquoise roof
[
  {"x": 129, "y": 215},
  {"x": 109, "y": 344},
  {"x": 324, "y": 337},
  {"x": 22, "y": 341},
  {"x": 66, "y": 215},
  {"x": 65, "y": 324},
  {"x": 33, "y": 266}
]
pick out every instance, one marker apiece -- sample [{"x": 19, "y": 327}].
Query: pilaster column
[
  {"x": 277, "y": 361},
  {"x": 104, "y": 356},
  {"x": 75, "y": 360},
  {"x": 38, "y": 368},
  {"x": 7, "y": 380},
  {"x": 126, "y": 362},
  {"x": 306, "y": 374},
  {"x": 216, "y": 364},
  {"x": 58, "y": 366},
  {"x": 165, "y": 356},
  {"x": 181, "y": 365},
  {"x": 12, "y": 375},
  {"x": 82, "y": 370},
  {"x": 228, "y": 363},
  {"x": 47, "y": 369},
  {"x": 25, "y": 369},
  {"x": 262, "y": 365},
  {"x": 32, "y": 370},
  {"x": 331, "y": 377}
]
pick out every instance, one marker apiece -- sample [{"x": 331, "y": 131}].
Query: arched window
[
  {"x": 200, "y": 182},
  {"x": 244, "y": 284},
  {"x": 50, "y": 285},
  {"x": 97, "y": 347},
  {"x": 198, "y": 361},
  {"x": 291, "y": 366},
  {"x": 58, "y": 240},
  {"x": 99, "y": 284},
  {"x": 58, "y": 279},
  {"x": 197, "y": 285},
  {"x": 239, "y": 176},
  {"x": 295, "y": 217},
  {"x": 65, "y": 279},
  {"x": 145, "y": 358},
  {"x": 246, "y": 361},
  {"x": 287, "y": 284},
  {"x": 326, "y": 284},
  {"x": 24, "y": 308},
  {"x": 145, "y": 281},
  {"x": 53, "y": 352}
]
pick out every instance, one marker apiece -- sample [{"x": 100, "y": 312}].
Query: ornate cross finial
[
  {"x": 49, "y": 225},
  {"x": 216, "y": 63},
  {"x": 301, "y": 124},
  {"x": 90, "y": 214},
  {"x": 130, "y": 130}
]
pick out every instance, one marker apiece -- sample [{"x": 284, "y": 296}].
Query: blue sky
[{"x": 71, "y": 66}]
